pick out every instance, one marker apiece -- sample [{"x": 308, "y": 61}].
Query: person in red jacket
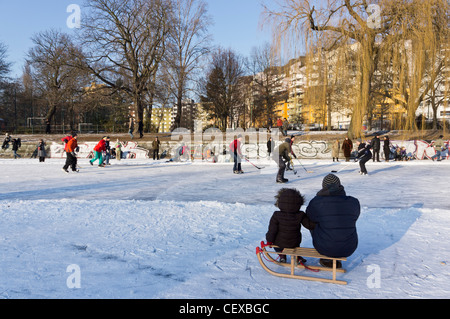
[
  {"x": 66, "y": 140},
  {"x": 98, "y": 152},
  {"x": 71, "y": 159},
  {"x": 280, "y": 125},
  {"x": 235, "y": 148}
]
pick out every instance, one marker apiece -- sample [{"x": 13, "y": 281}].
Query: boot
[{"x": 328, "y": 263}]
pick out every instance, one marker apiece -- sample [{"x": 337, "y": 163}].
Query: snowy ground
[{"x": 144, "y": 229}]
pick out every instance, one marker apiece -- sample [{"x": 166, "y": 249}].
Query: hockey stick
[
  {"x": 309, "y": 172},
  {"x": 341, "y": 168},
  {"x": 253, "y": 164}
]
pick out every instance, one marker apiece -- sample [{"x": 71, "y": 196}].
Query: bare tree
[
  {"x": 125, "y": 43},
  {"x": 50, "y": 61},
  {"x": 4, "y": 65},
  {"x": 221, "y": 95},
  {"x": 188, "y": 43},
  {"x": 268, "y": 79}
]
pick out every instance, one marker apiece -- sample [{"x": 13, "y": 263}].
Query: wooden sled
[{"x": 293, "y": 253}]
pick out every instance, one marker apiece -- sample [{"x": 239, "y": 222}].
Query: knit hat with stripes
[{"x": 331, "y": 180}]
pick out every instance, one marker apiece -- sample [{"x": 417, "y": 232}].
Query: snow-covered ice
[{"x": 145, "y": 229}]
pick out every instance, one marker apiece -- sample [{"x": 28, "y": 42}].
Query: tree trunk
[
  {"x": 177, "y": 121},
  {"x": 51, "y": 112},
  {"x": 139, "y": 107},
  {"x": 367, "y": 67}
]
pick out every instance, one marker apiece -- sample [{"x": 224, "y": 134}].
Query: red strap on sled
[
  {"x": 310, "y": 269},
  {"x": 265, "y": 245},
  {"x": 260, "y": 250}
]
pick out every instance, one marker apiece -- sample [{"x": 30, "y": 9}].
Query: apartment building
[{"x": 161, "y": 119}]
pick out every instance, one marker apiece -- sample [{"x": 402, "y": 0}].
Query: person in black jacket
[
  {"x": 6, "y": 141},
  {"x": 41, "y": 151},
  {"x": 288, "y": 164},
  {"x": 331, "y": 217},
  {"x": 364, "y": 155},
  {"x": 375, "y": 144},
  {"x": 16, "y": 144},
  {"x": 387, "y": 148},
  {"x": 284, "y": 226},
  {"x": 270, "y": 146},
  {"x": 140, "y": 129}
]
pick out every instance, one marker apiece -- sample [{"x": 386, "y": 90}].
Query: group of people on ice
[
  {"x": 366, "y": 150},
  {"x": 390, "y": 151},
  {"x": 281, "y": 154},
  {"x": 102, "y": 151},
  {"x": 16, "y": 144}
]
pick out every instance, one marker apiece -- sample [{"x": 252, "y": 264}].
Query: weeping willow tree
[
  {"x": 401, "y": 34},
  {"x": 328, "y": 89},
  {"x": 416, "y": 56},
  {"x": 345, "y": 24}
]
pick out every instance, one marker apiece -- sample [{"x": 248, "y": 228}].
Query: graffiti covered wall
[{"x": 199, "y": 150}]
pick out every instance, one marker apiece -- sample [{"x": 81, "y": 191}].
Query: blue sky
[{"x": 236, "y": 24}]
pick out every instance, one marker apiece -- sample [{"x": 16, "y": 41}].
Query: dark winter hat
[
  {"x": 74, "y": 134},
  {"x": 331, "y": 180},
  {"x": 287, "y": 140},
  {"x": 289, "y": 200}
]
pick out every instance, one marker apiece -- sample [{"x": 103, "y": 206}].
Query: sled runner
[{"x": 262, "y": 252}]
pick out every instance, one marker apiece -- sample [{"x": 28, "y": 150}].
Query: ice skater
[
  {"x": 364, "y": 154},
  {"x": 6, "y": 141},
  {"x": 235, "y": 148},
  {"x": 281, "y": 156},
  {"x": 16, "y": 144},
  {"x": 71, "y": 159},
  {"x": 98, "y": 152}
]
